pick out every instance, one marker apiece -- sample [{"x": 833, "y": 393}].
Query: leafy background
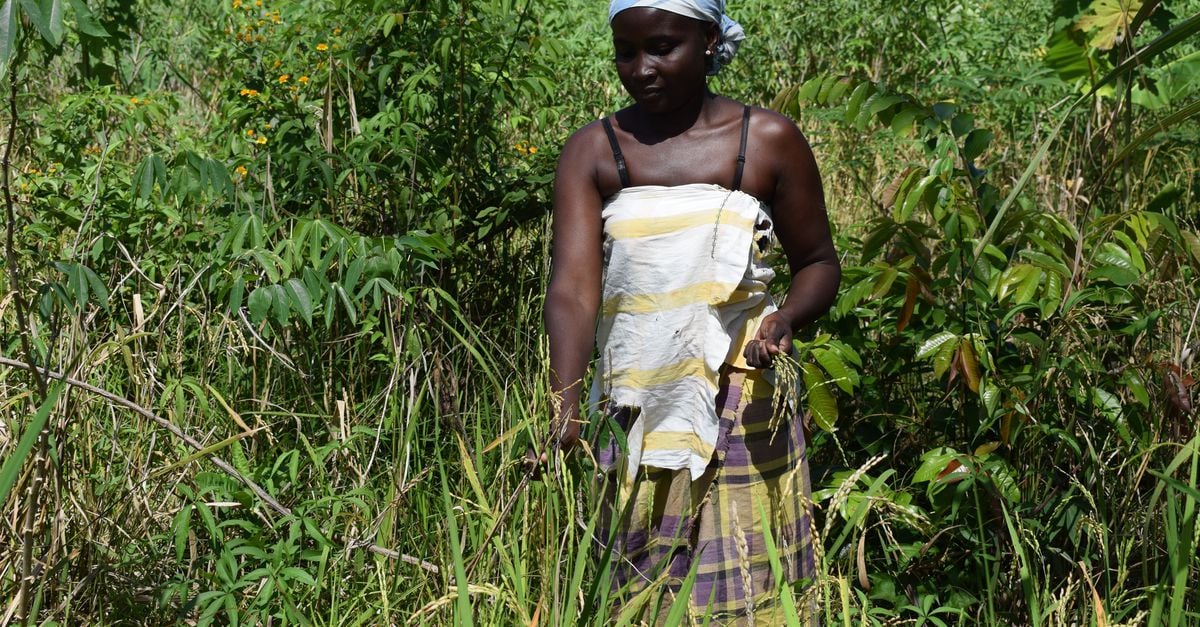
[{"x": 271, "y": 344}]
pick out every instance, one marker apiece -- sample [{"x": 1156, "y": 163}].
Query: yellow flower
[
  {"x": 303, "y": 80},
  {"x": 283, "y": 78},
  {"x": 277, "y": 63},
  {"x": 337, "y": 31},
  {"x": 258, "y": 3},
  {"x": 262, "y": 139},
  {"x": 521, "y": 148},
  {"x": 241, "y": 170},
  {"x": 533, "y": 150},
  {"x": 237, "y": 4},
  {"x": 250, "y": 132},
  {"x": 133, "y": 101},
  {"x": 322, "y": 47}
]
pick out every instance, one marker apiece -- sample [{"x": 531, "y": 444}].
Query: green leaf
[
  {"x": 1110, "y": 20},
  {"x": 86, "y": 21},
  {"x": 933, "y": 344},
  {"x": 857, "y": 97},
  {"x": 821, "y": 403},
  {"x": 843, "y": 377},
  {"x": 47, "y": 17},
  {"x": 810, "y": 88},
  {"x": 260, "y": 303},
  {"x": 1113, "y": 263},
  {"x": 1109, "y": 406},
  {"x": 298, "y": 574},
  {"x": 1135, "y": 252},
  {"x": 181, "y": 525},
  {"x": 913, "y": 198},
  {"x": 902, "y": 122},
  {"x": 933, "y": 462},
  {"x": 976, "y": 143},
  {"x": 97, "y": 287},
  {"x": 941, "y": 359},
  {"x": 15, "y": 457},
  {"x": 9, "y": 23},
  {"x": 1027, "y": 288},
  {"x": 299, "y": 297},
  {"x": 236, "y": 294},
  {"x": 280, "y": 300}
]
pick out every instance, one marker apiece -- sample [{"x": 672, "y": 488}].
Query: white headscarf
[{"x": 712, "y": 11}]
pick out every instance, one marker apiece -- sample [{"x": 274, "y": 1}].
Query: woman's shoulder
[{"x": 774, "y": 128}]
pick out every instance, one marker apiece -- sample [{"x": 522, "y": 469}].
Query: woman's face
[{"x": 660, "y": 56}]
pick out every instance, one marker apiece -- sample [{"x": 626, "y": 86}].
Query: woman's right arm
[{"x": 573, "y": 296}]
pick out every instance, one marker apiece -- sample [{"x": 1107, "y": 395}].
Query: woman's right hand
[{"x": 568, "y": 437}]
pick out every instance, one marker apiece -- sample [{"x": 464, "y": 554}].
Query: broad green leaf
[
  {"x": 976, "y": 143},
  {"x": 990, "y": 394},
  {"x": 351, "y": 310},
  {"x": 9, "y": 24},
  {"x": 810, "y": 88},
  {"x": 970, "y": 365},
  {"x": 933, "y": 462},
  {"x": 237, "y": 292},
  {"x": 826, "y": 90},
  {"x": 1113, "y": 263},
  {"x": 1193, "y": 244},
  {"x": 260, "y": 303},
  {"x": 1028, "y": 286},
  {"x": 96, "y": 287},
  {"x": 281, "y": 302},
  {"x": 1107, "y": 22},
  {"x": 821, "y": 403},
  {"x": 913, "y": 198},
  {"x": 842, "y": 376},
  {"x": 1052, "y": 295},
  {"x": 47, "y": 17},
  {"x": 943, "y": 357},
  {"x": 883, "y": 283},
  {"x": 857, "y": 97},
  {"x": 933, "y": 344},
  {"x": 902, "y": 122},
  {"x": 298, "y": 294},
  {"x": 86, "y": 21},
  {"x": 1135, "y": 251}
]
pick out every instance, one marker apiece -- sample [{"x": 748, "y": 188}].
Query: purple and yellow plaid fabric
[{"x": 669, "y": 523}]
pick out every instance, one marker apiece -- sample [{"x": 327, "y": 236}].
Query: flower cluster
[{"x": 525, "y": 149}]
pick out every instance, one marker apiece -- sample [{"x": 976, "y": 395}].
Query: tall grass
[{"x": 267, "y": 406}]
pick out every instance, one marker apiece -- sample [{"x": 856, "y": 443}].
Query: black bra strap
[
  {"x": 741, "y": 158},
  {"x": 616, "y": 150}
]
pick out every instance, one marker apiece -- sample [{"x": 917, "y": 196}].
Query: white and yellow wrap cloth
[{"x": 685, "y": 287}]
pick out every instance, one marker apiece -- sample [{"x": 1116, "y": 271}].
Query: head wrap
[{"x": 712, "y": 11}]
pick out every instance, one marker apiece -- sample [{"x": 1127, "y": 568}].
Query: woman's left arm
[{"x": 802, "y": 227}]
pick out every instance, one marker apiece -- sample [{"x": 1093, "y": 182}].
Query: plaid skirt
[{"x": 665, "y": 525}]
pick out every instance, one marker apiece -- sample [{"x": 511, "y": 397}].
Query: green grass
[{"x": 350, "y": 316}]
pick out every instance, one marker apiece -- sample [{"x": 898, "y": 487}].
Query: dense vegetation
[{"x": 279, "y": 268}]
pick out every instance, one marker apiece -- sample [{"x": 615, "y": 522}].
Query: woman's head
[{"x": 729, "y": 34}]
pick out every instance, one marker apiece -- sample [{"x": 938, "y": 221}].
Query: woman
[{"x": 662, "y": 215}]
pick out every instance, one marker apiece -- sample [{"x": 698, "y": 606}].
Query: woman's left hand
[{"x": 774, "y": 337}]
